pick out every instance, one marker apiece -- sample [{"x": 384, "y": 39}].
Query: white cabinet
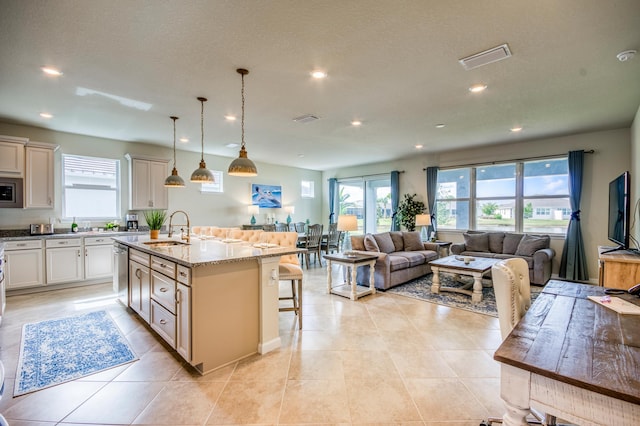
[
  {"x": 24, "y": 264},
  {"x": 146, "y": 189},
  {"x": 12, "y": 156},
  {"x": 183, "y": 321},
  {"x": 163, "y": 299},
  {"x": 139, "y": 284},
  {"x": 39, "y": 189},
  {"x": 98, "y": 258},
  {"x": 64, "y": 260}
]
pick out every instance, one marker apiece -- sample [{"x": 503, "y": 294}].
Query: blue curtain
[
  {"x": 395, "y": 199},
  {"x": 573, "y": 265},
  {"x": 333, "y": 189},
  {"x": 432, "y": 182}
]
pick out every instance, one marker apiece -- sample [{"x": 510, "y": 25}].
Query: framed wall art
[{"x": 266, "y": 196}]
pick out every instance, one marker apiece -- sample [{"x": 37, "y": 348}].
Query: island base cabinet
[
  {"x": 183, "y": 319},
  {"x": 164, "y": 323},
  {"x": 225, "y": 314},
  {"x": 140, "y": 290}
]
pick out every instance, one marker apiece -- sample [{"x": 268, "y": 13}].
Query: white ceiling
[{"x": 392, "y": 64}]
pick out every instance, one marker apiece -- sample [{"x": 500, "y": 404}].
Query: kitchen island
[{"x": 214, "y": 302}]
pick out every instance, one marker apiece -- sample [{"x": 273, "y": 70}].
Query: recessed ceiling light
[
  {"x": 230, "y": 117},
  {"x": 477, "y": 88},
  {"x": 440, "y": 126},
  {"x": 232, "y": 145},
  {"x": 419, "y": 146},
  {"x": 516, "y": 129},
  {"x": 184, "y": 140},
  {"x": 52, "y": 71},
  {"x": 45, "y": 115},
  {"x": 318, "y": 74},
  {"x": 356, "y": 123}
]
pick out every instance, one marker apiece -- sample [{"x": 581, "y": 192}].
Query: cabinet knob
[
  {"x": 21, "y": 244},
  {"x": 183, "y": 274},
  {"x": 163, "y": 322},
  {"x": 163, "y": 289}
]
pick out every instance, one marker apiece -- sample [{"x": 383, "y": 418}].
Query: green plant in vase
[
  {"x": 155, "y": 219},
  {"x": 408, "y": 209}
]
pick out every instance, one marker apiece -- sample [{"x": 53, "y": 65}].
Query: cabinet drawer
[
  {"x": 22, "y": 245},
  {"x": 165, "y": 266},
  {"x": 164, "y": 323},
  {"x": 62, "y": 242},
  {"x": 138, "y": 256},
  {"x": 97, "y": 241},
  {"x": 184, "y": 275},
  {"x": 163, "y": 290}
]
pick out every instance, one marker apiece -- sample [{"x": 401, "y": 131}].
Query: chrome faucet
[{"x": 186, "y": 237}]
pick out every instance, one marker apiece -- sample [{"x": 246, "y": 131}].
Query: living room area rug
[
  {"x": 60, "y": 350},
  {"x": 420, "y": 288}
]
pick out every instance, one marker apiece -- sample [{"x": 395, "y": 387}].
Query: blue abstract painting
[{"x": 266, "y": 196}]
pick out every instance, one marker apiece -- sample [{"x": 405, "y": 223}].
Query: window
[
  {"x": 369, "y": 199},
  {"x": 307, "y": 189},
  {"x": 215, "y": 187},
  {"x": 91, "y": 187},
  {"x": 526, "y": 196}
]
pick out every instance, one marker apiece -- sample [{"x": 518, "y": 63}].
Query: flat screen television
[{"x": 620, "y": 211}]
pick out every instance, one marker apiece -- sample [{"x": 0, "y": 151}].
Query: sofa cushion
[
  {"x": 428, "y": 255},
  {"x": 495, "y": 242},
  {"x": 397, "y": 262},
  {"x": 529, "y": 244},
  {"x": 414, "y": 258},
  {"x": 412, "y": 241},
  {"x": 476, "y": 242},
  {"x": 385, "y": 243},
  {"x": 398, "y": 242},
  {"x": 370, "y": 243},
  {"x": 528, "y": 259},
  {"x": 510, "y": 243},
  {"x": 357, "y": 242}
]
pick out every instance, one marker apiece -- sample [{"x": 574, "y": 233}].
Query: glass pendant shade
[
  {"x": 242, "y": 166},
  {"x": 202, "y": 174},
  {"x": 174, "y": 181}
]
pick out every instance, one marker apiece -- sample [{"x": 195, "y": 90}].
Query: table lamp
[
  {"x": 253, "y": 211},
  {"x": 423, "y": 220},
  {"x": 290, "y": 210},
  {"x": 346, "y": 223}
]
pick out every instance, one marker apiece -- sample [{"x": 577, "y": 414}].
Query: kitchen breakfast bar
[{"x": 213, "y": 301}]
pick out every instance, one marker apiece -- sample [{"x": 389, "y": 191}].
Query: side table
[
  {"x": 443, "y": 247},
  {"x": 351, "y": 262}
]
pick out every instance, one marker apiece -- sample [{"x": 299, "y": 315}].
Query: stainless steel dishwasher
[{"x": 121, "y": 272}]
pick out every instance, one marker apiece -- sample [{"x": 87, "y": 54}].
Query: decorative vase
[{"x": 154, "y": 234}]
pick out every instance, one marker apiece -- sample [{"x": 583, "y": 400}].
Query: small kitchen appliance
[
  {"x": 132, "y": 222},
  {"x": 41, "y": 228}
]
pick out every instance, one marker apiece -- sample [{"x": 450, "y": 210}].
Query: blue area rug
[
  {"x": 61, "y": 350},
  {"x": 420, "y": 288}
]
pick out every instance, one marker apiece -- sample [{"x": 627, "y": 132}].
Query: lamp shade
[
  {"x": 290, "y": 209},
  {"x": 253, "y": 209},
  {"x": 347, "y": 222},
  {"x": 423, "y": 220}
]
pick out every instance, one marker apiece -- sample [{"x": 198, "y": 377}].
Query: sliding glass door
[{"x": 369, "y": 199}]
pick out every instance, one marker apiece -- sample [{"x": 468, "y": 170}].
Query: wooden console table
[{"x": 618, "y": 269}]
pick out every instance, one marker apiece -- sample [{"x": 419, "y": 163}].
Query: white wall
[
  {"x": 635, "y": 172},
  {"x": 228, "y": 209},
  {"x": 612, "y": 157}
]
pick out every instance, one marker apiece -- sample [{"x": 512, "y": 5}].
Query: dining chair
[
  {"x": 282, "y": 227},
  {"x": 333, "y": 240},
  {"x": 312, "y": 243},
  {"x": 301, "y": 227},
  {"x": 513, "y": 298},
  {"x": 289, "y": 270}
]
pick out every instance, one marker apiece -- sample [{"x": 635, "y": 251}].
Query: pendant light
[
  {"x": 242, "y": 166},
  {"x": 174, "y": 181},
  {"x": 202, "y": 174}
]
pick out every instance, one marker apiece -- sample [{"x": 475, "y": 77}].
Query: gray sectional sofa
[
  {"x": 402, "y": 256},
  {"x": 504, "y": 245}
]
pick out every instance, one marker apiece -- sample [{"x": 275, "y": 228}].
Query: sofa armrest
[
  {"x": 431, "y": 246},
  {"x": 457, "y": 248},
  {"x": 541, "y": 271},
  {"x": 544, "y": 255}
]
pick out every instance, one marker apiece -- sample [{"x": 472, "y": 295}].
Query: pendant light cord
[
  {"x": 242, "y": 122},
  {"x": 174, "y": 141},
  {"x": 202, "y": 128}
]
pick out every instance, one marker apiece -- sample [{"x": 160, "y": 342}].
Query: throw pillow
[
  {"x": 495, "y": 242},
  {"x": 412, "y": 241},
  {"x": 370, "y": 243},
  {"x": 396, "y": 237},
  {"x": 510, "y": 243},
  {"x": 476, "y": 242},
  {"x": 529, "y": 244},
  {"x": 357, "y": 242},
  {"x": 385, "y": 242}
]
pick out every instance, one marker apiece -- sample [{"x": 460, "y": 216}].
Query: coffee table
[
  {"x": 351, "y": 262},
  {"x": 476, "y": 268}
]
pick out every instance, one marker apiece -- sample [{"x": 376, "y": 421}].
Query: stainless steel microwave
[{"x": 11, "y": 193}]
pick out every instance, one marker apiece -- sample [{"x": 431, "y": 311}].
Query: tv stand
[{"x": 618, "y": 268}]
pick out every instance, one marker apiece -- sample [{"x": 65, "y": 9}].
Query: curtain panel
[
  {"x": 395, "y": 199},
  {"x": 333, "y": 190},
  {"x": 432, "y": 183}
]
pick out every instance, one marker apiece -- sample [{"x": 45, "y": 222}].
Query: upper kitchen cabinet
[
  {"x": 12, "y": 156},
  {"x": 39, "y": 182},
  {"x": 146, "y": 183}
]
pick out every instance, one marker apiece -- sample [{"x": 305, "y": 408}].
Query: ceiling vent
[
  {"x": 495, "y": 54},
  {"x": 307, "y": 118}
]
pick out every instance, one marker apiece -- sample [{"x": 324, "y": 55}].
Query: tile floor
[{"x": 384, "y": 360}]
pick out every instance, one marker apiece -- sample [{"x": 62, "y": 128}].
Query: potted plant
[
  {"x": 407, "y": 211},
  {"x": 155, "y": 219}
]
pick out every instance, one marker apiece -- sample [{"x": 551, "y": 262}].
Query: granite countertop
[
  {"x": 203, "y": 252},
  {"x": 24, "y": 235}
]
